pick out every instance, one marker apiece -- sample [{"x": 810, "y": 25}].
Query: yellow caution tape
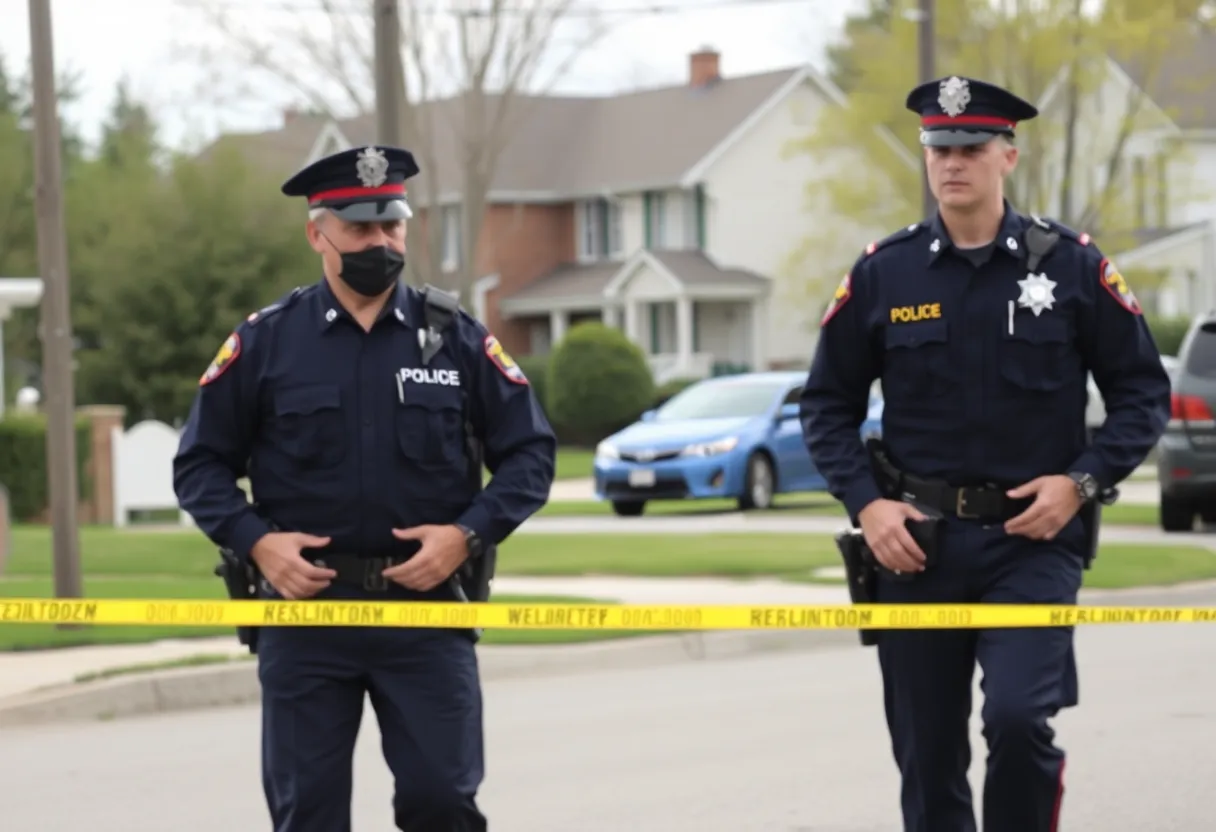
[{"x": 556, "y": 616}]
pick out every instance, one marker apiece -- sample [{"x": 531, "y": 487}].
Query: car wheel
[
  {"x": 628, "y": 509},
  {"x": 1176, "y": 516},
  {"x": 758, "y": 485}
]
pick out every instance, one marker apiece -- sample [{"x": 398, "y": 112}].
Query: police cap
[
  {"x": 955, "y": 111},
  {"x": 363, "y": 184}
]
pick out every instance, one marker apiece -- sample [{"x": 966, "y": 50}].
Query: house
[
  {"x": 668, "y": 212},
  {"x": 1163, "y": 110}
]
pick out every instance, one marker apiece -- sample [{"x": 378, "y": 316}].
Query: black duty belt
[
  {"x": 360, "y": 571},
  {"x": 981, "y": 502},
  {"x": 967, "y": 502}
]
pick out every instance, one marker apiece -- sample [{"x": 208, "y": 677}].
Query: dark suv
[{"x": 1186, "y": 454}]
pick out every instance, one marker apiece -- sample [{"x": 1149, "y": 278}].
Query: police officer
[
  {"x": 345, "y": 409},
  {"x": 982, "y": 355}
]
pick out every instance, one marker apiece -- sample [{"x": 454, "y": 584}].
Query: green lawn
[
  {"x": 575, "y": 463},
  {"x": 135, "y": 564},
  {"x": 1127, "y": 514}
]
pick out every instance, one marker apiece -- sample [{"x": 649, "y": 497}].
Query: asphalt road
[{"x": 783, "y": 742}]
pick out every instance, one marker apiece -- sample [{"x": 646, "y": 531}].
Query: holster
[
  {"x": 241, "y": 582},
  {"x": 861, "y": 575}
]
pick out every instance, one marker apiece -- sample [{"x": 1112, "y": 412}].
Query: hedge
[
  {"x": 598, "y": 382},
  {"x": 23, "y": 469}
]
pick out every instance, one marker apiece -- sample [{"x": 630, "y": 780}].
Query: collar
[
  {"x": 330, "y": 310},
  {"x": 1008, "y": 235}
]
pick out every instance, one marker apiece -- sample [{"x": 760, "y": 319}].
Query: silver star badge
[
  {"x": 372, "y": 167},
  {"x": 1037, "y": 293},
  {"x": 954, "y": 94}
]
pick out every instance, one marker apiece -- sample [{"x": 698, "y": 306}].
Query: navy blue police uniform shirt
[
  {"x": 347, "y": 434},
  {"x": 978, "y": 388}
]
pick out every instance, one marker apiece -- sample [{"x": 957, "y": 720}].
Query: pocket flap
[
  {"x": 917, "y": 334},
  {"x": 306, "y": 400},
  {"x": 1040, "y": 330}
]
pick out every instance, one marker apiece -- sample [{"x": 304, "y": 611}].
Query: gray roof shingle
[{"x": 561, "y": 146}]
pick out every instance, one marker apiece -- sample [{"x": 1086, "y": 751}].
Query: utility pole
[
  {"x": 56, "y": 324},
  {"x": 386, "y": 23},
  {"x": 925, "y": 43}
]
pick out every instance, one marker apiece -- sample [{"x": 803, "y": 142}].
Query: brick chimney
[{"x": 703, "y": 67}]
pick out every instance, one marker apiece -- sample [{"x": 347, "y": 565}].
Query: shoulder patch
[
  {"x": 902, "y": 234},
  {"x": 843, "y": 292},
  {"x": 228, "y": 353},
  {"x": 1114, "y": 283},
  {"x": 504, "y": 362}
]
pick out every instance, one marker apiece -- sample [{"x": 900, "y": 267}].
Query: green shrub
[
  {"x": 1168, "y": 332},
  {"x": 536, "y": 368},
  {"x": 23, "y": 468},
  {"x": 599, "y": 382}
]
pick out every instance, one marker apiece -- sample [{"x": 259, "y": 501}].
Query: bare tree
[{"x": 468, "y": 67}]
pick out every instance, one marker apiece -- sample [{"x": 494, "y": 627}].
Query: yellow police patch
[
  {"x": 1114, "y": 283},
  {"x": 843, "y": 292},
  {"x": 503, "y": 361},
  {"x": 227, "y": 354},
  {"x": 921, "y": 312}
]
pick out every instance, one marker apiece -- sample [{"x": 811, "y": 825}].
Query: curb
[{"x": 235, "y": 684}]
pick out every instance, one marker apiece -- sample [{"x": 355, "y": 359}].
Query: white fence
[{"x": 143, "y": 471}]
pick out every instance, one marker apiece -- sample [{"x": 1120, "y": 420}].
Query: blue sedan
[{"x": 733, "y": 436}]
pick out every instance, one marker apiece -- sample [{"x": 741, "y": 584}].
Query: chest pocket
[
  {"x": 310, "y": 426},
  {"x": 1039, "y": 355},
  {"x": 917, "y": 360},
  {"x": 430, "y": 435}
]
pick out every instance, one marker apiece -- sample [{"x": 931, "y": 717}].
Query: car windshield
[{"x": 721, "y": 400}]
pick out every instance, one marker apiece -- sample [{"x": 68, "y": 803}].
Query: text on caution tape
[{"x": 183, "y": 613}]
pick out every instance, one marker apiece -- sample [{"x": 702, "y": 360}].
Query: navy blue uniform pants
[
  {"x": 424, "y": 687},
  {"x": 1028, "y": 676}
]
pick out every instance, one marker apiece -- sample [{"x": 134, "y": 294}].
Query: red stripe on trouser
[{"x": 1055, "y": 815}]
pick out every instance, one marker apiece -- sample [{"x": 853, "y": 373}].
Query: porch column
[
  {"x": 558, "y": 319},
  {"x": 759, "y": 325},
  {"x": 684, "y": 313},
  {"x": 611, "y": 316},
  {"x": 633, "y": 322}
]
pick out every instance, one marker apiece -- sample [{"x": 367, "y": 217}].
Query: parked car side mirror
[
  {"x": 648, "y": 416},
  {"x": 787, "y": 412}
]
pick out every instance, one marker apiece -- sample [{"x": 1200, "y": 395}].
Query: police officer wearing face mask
[{"x": 346, "y": 406}]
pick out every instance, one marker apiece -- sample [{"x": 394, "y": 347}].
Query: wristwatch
[
  {"x": 1087, "y": 486},
  {"x": 472, "y": 541}
]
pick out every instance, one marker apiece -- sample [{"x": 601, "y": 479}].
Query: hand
[
  {"x": 882, "y": 523},
  {"x": 278, "y": 557},
  {"x": 443, "y": 550},
  {"x": 1056, "y": 501}
]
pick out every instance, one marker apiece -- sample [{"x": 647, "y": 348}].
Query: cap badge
[
  {"x": 954, "y": 95},
  {"x": 372, "y": 167}
]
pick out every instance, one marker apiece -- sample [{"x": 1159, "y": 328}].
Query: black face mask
[{"x": 372, "y": 271}]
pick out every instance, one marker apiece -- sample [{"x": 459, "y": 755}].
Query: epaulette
[
  {"x": 278, "y": 306},
  {"x": 1064, "y": 231},
  {"x": 902, "y": 234}
]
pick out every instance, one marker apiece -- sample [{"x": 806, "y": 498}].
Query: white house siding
[{"x": 757, "y": 214}]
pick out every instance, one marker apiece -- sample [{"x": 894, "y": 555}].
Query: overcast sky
[{"x": 152, "y": 44}]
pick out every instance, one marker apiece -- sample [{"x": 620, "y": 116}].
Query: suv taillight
[{"x": 1189, "y": 409}]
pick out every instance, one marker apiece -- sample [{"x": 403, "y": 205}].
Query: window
[
  {"x": 1162, "y": 191},
  {"x": 1139, "y": 184},
  {"x": 656, "y": 219},
  {"x": 599, "y": 229},
  {"x": 1200, "y": 358},
  {"x": 450, "y": 216}
]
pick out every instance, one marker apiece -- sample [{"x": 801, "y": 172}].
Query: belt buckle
[
  {"x": 373, "y": 580},
  {"x": 960, "y": 503}
]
